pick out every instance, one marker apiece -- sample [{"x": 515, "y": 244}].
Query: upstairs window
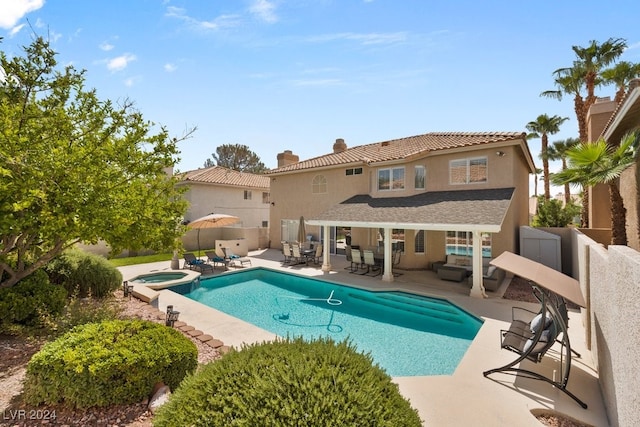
[
  {"x": 247, "y": 194},
  {"x": 420, "y": 177},
  {"x": 265, "y": 197},
  {"x": 391, "y": 179},
  {"x": 468, "y": 171},
  {"x": 319, "y": 184},
  {"x": 353, "y": 171}
]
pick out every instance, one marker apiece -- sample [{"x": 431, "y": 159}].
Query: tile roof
[
  {"x": 224, "y": 176},
  {"x": 430, "y": 210},
  {"x": 402, "y": 148}
]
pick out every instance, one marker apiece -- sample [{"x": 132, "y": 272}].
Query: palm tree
[
  {"x": 569, "y": 81},
  {"x": 593, "y": 59},
  {"x": 541, "y": 128},
  {"x": 558, "y": 151},
  {"x": 600, "y": 163},
  {"x": 537, "y": 173},
  {"x": 620, "y": 75}
]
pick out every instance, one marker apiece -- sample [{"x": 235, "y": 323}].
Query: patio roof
[{"x": 467, "y": 210}]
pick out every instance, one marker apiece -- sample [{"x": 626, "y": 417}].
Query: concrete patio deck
[{"x": 464, "y": 398}]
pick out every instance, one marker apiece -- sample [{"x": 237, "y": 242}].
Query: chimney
[
  {"x": 634, "y": 83},
  {"x": 339, "y": 146},
  {"x": 287, "y": 158}
]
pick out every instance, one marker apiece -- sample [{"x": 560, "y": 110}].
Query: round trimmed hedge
[
  {"x": 111, "y": 362},
  {"x": 289, "y": 382}
]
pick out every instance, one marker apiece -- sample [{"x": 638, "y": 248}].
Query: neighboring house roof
[
  {"x": 470, "y": 210},
  {"x": 224, "y": 176},
  {"x": 406, "y": 148},
  {"x": 625, "y": 117}
]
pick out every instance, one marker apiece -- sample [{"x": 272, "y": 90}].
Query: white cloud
[
  {"x": 365, "y": 39},
  {"x": 15, "y": 30},
  {"x": 170, "y": 68},
  {"x": 11, "y": 11},
  {"x": 264, "y": 10},
  {"x": 106, "y": 46},
  {"x": 220, "y": 22},
  {"x": 120, "y": 62},
  {"x": 129, "y": 82}
]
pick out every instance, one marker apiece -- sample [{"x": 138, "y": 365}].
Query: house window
[
  {"x": 247, "y": 194},
  {"x": 265, "y": 197},
  {"x": 420, "y": 177},
  {"x": 419, "y": 242},
  {"x": 468, "y": 171},
  {"x": 397, "y": 238},
  {"x": 391, "y": 179},
  {"x": 319, "y": 184},
  {"x": 461, "y": 243},
  {"x": 265, "y": 224},
  {"x": 353, "y": 171}
]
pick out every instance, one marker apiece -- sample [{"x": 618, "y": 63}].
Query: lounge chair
[
  {"x": 194, "y": 263},
  {"x": 235, "y": 259},
  {"x": 214, "y": 259},
  {"x": 531, "y": 339}
]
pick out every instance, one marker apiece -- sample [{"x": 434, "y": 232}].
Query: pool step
[{"x": 421, "y": 307}]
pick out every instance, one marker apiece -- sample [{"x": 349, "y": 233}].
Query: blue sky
[{"x": 281, "y": 75}]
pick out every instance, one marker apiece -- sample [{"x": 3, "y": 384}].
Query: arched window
[{"x": 319, "y": 184}]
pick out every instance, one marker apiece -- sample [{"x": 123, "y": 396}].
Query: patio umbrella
[
  {"x": 302, "y": 233},
  {"x": 212, "y": 221}
]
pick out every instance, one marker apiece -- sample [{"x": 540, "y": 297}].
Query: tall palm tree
[
  {"x": 620, "y": 75},
  {"x": 558, "y": 151},
  {"x": 541, "y": 128},
  {"x": 570, "y": 81},
  {"x": 600, "y": 163},
  {"x": 537, "y": 173},
  {"x": 593, "y": 59}
]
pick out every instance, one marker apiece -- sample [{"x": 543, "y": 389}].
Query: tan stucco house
[
  {"x": 427, "y": 196},
  {"x": 611, "y": 121}
]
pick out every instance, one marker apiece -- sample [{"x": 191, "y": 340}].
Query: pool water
[{"x": 407, "y": 335}]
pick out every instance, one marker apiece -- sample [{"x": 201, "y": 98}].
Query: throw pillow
[
  {"x": 490, "y": 270},
  {"x": 536, "y": 323}
]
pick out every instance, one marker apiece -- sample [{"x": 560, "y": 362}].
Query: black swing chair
[{"x": 532, "y": 339}]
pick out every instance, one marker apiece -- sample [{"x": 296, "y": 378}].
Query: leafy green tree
[
  {"x": 601, "y": 163},
  {"x": 74, "y": 168},
  {"x": 236, "y": 157},
  {"x": 551, "y": 213},
  {"x": 558, "y": 151},
  {"x": 541, "y": 128}
]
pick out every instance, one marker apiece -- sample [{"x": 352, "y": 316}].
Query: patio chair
[
  {"x": 370, "y": 263},
  {"x": 356, "y": 260},
  {"x": 532, "y": 339},
  {"x": 235, "y": 259},
  {"x": 214, "y": 259},
  {"x": 317, "y": 256},
  {"x": 194, "y": 263},
  {"x": 296, "y": 255},
  {"x": 286, "y": 251}
]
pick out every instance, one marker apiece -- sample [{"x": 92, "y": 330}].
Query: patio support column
[
  {"x": 477, "y": 289},
  {"x": 326, "y": 255},
  {"x": 387, "y": 276}
]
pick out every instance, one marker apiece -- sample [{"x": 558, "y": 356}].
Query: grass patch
[{"x": 142, "y": 259}]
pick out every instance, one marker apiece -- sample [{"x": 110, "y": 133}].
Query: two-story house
[
  {"x": 225, "y": 191},
  {"x": 426, "y": 195}
]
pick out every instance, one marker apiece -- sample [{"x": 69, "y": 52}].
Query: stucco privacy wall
[
  {"x": 610, "y": 282},
  {"x": 615, "y": 295}
]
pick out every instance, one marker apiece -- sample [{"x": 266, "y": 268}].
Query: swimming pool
[{"x": 407, "y": 335}]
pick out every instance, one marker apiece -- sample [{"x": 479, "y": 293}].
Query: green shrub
[
  {"x": 84, "y": 274},
  {"x": 289, "y": 383},
  {"x": 110, "y": 362},
  {"x": 31, "y": 301}
]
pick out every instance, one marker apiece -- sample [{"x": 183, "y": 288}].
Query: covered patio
[{"x": 474, "y": 211}]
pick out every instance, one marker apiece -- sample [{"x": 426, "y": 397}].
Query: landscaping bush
[
  {"x": 289, "y": 383},
  {"x": 31, "y": 301},
  {"x": 84, "y": 274},
  {"x": 111, "y": 362}
]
